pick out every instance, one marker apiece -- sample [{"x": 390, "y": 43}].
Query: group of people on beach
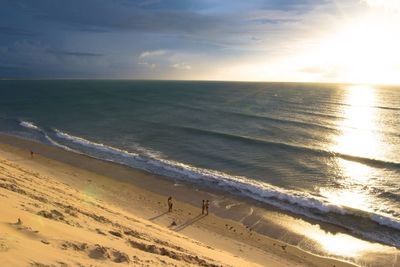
[{"x": 204, "y": 207}]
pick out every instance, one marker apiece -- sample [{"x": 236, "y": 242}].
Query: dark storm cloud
[
  {"x": 15, "y": 31},
  {"x": 74, "y": 54},
  {"x": 183, "y": 17},
  {"x": 169, "y": 21},
  {"x": 74, "y": 37}
]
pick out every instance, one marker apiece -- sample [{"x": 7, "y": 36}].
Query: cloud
[
  {"x": 181, "y": 66},
  {"x": 150, "y": 58},
  {"x": 74, "y": 54},
  {"x": 160, "y": 38},
  {"x": 15, "y": 31},
  {"x": 154, "y": 53},
  {"x": 390, "y": 5},
  {"x": 322, "y": 72},
  {"x": 114, "y": 15},
  {"x": 148, "y": 2},
  {"x": 147, "y": 64}
]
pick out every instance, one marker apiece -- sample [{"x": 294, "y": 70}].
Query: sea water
[{"x": 326, "y": 151}]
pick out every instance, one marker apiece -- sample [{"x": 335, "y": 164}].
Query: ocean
[{"x": 329, "y": 152}]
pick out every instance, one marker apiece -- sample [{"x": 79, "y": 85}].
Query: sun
[
  {"x": 362, "y": 49},
  {"x": 366, "y": 51},
  {"x": 359, "y": 46}
]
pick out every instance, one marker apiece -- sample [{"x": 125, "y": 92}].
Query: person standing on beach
[
  {"x": 31, "y": 154},
  {"x": 170, "y": 204},
  {"x": 207, "y": 204},
  {"x": 203, "y": 206}
]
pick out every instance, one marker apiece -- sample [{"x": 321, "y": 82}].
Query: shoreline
[{"x": 247, "y": 222}]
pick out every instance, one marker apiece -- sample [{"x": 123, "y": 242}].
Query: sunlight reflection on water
[{"x": 359, "y": 137}]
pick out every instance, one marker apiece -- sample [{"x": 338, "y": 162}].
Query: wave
[
  {"x": 316, "y": 151},
  {"x": 330, "y": 126},
  {"x": 302, "y": 203},
  {"x": 350, "y": 105},
  {"x": 386, "y": 221},
  {"x": 251, "y": 116},
  {"x": 29, "y": 125},
  {"x": 32, "y": 126},
  {"x": 245, "y": 114},
  {"x": 280, "y": 120}
]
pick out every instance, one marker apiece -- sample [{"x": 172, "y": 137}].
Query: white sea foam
[
  {"x": 29, "y": 125},
  {"x": 32, "y": 126},
  {"x": 387, "y": 221}
]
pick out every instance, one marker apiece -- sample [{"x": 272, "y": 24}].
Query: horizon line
[{"x": 194, "y": 80}]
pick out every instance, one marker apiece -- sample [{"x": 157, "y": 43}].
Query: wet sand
[{"x": 251, "y": 233}]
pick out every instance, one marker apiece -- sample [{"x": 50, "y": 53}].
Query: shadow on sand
[
  {"x": 158, "y": 216},
  {"x": 189, "y": 222}
]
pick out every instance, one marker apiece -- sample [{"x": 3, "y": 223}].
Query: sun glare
[
  {"x": 391, "y": 5},
  {"x": 359, "y": 138},
  {"x": 340, "y": 244},
  {"x": 358, "y": 129},
  {"x": 366, "y": 51},
  {"x": 362, "y": 50}
]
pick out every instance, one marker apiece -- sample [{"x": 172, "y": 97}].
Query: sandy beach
[
  {"x": 64, "y": 209},
  {"x": 199, "y": 133}
]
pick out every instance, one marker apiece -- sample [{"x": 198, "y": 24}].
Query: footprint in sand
[
  {"x": 53, "y": 215},
  {"x": 25, "y": 229},
  {"x": 3, "y": 246},
  {"x": 97, "y": 252}
]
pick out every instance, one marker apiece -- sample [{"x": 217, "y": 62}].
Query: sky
[{"x": 260, "y": 40}]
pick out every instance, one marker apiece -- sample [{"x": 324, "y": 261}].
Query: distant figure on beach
[
  {"x": 173, "y": 223},
  {"x": 169, "y": 204},
  {"x": 31, "y": 154},
  {"x": 203, "y": 207},
  {"x": 207, "y": 204}
]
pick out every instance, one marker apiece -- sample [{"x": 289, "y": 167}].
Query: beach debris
[{"x": 19, "y": 222}]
